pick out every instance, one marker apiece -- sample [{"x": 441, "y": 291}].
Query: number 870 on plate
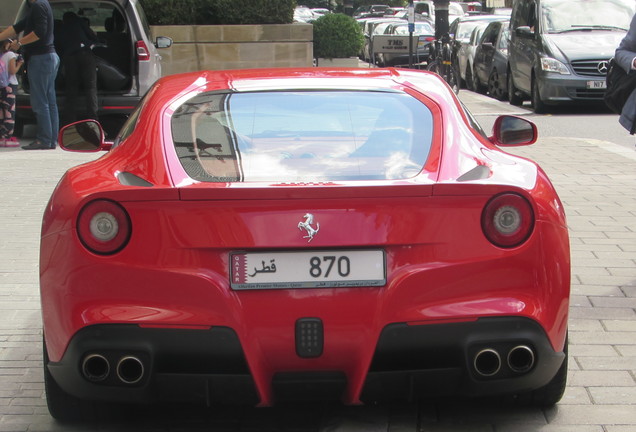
[{"x": 307, "y": 269}]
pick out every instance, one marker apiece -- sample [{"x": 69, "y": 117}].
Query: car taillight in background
[
  {"x": 103, "y": 227},
  {"x": 142, "y": 51},
  {"x": 507, "y": 220}
]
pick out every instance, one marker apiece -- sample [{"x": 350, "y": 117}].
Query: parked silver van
[
  {"x": 128, "y": 61},
  {"x": 559, "y": 49}
]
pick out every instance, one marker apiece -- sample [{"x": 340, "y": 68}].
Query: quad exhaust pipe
[
  {"x": 520, "y": 359},
  {"x": 96, "y": 368},
  {"x": 130, "y": 370},
  {"x": 487, "y": 362}
]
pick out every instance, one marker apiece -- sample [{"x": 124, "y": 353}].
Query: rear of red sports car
[{"x": 256, "y": 236}]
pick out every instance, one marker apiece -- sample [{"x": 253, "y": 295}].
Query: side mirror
[
  {"x": 513, "y": 131},
  {"x": 85, "y": 136},
  {"x": 524, "y": 32},
  {"x": 163, "y": 42}
]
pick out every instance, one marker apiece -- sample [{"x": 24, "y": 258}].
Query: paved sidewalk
[{"x": 597, "y": 184}]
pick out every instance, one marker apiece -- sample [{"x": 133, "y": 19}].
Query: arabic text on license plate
[
  {"x": 596, "y": 84},
  {"x": 307, "y": 269}
]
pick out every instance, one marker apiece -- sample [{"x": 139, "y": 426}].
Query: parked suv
[
  {"x": 559, "y": 49},
  {"x": 128, "y": 62}
]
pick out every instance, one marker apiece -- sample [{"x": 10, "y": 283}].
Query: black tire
[
  {"x": 433, "y": 66},
  {"x": 496, "y": 88},
  {"x": 462, "y": 82},
  {"x": 513, "y": 94},
  {"x": 67, "y": 408},
  {"x": 62, "y": 406},
  {"x": 470, "y": 81},
  {"x": 479, "y": 87},
  {"x": 552, "y": 392},
  {"x": 538, "y": 105},
  {"x": 453, "y": 79}
]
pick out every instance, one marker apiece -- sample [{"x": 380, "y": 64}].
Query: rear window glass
[
  {"x": 95, "y": 13},
  {"x": 302, "y": 136}
]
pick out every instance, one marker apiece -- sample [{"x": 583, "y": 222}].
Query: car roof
[
  {"x": 482, "y": 18},
  {"x": 278, "y": 79},
  {"x": 78, "y": 3}
]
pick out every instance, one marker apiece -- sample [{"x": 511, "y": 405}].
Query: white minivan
[{"x": 128, "y": 61}]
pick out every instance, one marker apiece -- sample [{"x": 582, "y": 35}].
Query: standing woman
[
  {"x": 626, "y": 58},
  {"x": 42, "y": 65},
  {"x": 13, "y": 63}
]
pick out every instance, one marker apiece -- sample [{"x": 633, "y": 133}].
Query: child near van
[{"x": 10, "y": 64}]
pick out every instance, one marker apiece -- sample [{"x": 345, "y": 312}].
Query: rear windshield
[{"x": 302, "y": 136}]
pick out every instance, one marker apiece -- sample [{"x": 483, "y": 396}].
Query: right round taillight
[
  {"x": 103, "y": 227},
  {"x": 507, "y": 220}
]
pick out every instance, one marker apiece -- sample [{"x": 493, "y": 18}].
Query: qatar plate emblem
[{"x": 306, "y": 225}]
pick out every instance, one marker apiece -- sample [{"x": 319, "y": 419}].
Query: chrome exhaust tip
[
  {"x": 521, "y": 359},
  {"x": 487, "y": 362},
  {"x": 95, "y": 367},
  {"x": 130, "y": 370}
]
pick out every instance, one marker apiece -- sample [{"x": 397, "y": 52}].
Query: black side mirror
[
  {"x": 513, "y": 131},
  {"x": 524, "y": 32},
  {"x": 83, "y": 136},
  {"x": 163, "y": 42}
]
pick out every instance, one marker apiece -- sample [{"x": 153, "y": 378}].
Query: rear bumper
[
  {"x": 107, "y": 105},
  {"x": 439, "y": 360},
  {"x": 208, "y": 366}
]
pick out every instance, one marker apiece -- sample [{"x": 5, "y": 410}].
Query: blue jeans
[{"x": 42, "y": 70}]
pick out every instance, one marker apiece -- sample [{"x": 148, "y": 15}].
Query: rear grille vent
[{"x": 309, "y": 337}]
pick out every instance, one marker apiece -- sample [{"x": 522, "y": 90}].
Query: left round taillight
[
  {"x": 103, "y": 227},
  {"x": 507, "y": 220}
]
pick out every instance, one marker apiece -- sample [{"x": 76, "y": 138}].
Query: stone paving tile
[
  {"x": 591, "y": 415},
  {"x": 552, "y": 428}
]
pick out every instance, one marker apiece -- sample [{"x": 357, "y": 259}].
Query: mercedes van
[{"x": 559, "y": 49}]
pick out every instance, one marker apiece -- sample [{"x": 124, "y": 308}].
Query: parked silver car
[
  {"x": 465, "y": 33},
  {"x": 128, "y": 61}
]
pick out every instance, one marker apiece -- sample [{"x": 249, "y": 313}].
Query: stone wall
[
  {"x": 8, "y": 11},
  {"x": 236, "y": 47}
]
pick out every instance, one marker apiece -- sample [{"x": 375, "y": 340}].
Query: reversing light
[
  {"x": 507, "y": 220},
  {"x": 103, "y": 227},
  {"x": 142, "y": 51}
]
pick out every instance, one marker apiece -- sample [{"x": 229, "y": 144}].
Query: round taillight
[
  {"x": 103, "y": 227},
  {"x": 507, "y": 220}
]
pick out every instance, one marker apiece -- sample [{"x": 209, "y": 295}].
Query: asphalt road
[{"x": 592, "y": 163}]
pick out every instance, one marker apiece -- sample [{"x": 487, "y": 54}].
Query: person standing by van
[
  {"x": 12, "y": 62},
  {"x": 625, "y": 56},
  {"x": 42, "y": 65},
  {"x": 74, "y": 43}
]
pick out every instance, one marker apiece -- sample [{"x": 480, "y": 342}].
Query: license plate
[
  {"x": 307, "y": 269},
  {"x": 596, "y": 85}
]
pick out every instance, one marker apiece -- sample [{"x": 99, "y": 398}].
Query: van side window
[
  {"x": 532, "y": 16},
  {"x": 490, "y": 35},
  {"x": 520, "y": 18}
]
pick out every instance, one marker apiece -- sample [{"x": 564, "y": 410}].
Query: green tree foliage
[
  {"x": 337, "y": 36},
  {"x": 205, "y": 12}
]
